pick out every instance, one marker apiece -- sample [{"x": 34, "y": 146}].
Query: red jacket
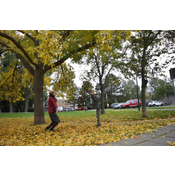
[{"x": 51, "y": 105}]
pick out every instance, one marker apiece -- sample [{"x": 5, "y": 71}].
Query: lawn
[{"x": 79, "y": 128}]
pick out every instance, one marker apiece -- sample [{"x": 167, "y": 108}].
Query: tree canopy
[{"x": 40, "y": 51}]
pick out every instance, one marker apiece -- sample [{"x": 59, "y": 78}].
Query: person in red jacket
[{"x": 53, "y": 108}]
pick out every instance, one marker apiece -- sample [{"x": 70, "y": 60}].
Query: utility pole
[{"x": 172, "y": 76}]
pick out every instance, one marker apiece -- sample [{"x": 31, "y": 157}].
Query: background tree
[
  {"x": 107, "y": 56},
  {"x": 163, "y": 89},
  {"x": 147, "y": 47},
  {"x": 41, "y": 51},
  {"x": 72, "y": 97},
  {"x": 129, "y": 90},
  {"x": 11, "y": 79},
  {"x": 84, "y": 94},
  {"x": 112, "y": 89}
]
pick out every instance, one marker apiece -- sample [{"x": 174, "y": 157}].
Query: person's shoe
[
  {"x": 51, "y": 129},
  {"x": 47, "y": 128},
  {"x": 98, "y": 124}
]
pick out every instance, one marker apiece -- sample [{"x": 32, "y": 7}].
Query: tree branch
[
  {"x": 98, "y": 68},
  {"x": 59, "y": 62},
  {"x": 19, "y": 46},
  {"x": 108, "y": 74},
  {"x": 19, "y": 56},
  {"x": 29, "y": 36},
  {"x": 154, "y": 37},
  {"x": 66, "y": 34},
  {"x": 26, "y": 64},
  {"x": 148, "y": 36}
]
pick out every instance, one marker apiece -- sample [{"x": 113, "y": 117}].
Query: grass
[{"x": 79, "y": 127}]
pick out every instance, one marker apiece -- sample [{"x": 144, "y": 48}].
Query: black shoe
[
  {"x": 98, "y": 124},
  {"x": 51, "y": 129},
  {"x": 47, "y": 128}
]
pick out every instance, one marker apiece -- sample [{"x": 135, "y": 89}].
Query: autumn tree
[
  {"x": 72, "y": 96},
  {"x": 147, "y": 48},
  {"x": 105, "y": 57},
  {"x": 10, "y": 79},
  {"x": 63, "y": 80},
  {"x": 41, "y": 51}
]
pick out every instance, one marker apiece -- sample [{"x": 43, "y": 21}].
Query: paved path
[{"x": 159, "y": 137}]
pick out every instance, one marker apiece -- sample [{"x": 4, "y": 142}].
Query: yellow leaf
[{"x": 171, "y": 143}]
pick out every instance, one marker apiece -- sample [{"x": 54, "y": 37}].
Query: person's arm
[
  {"x": 93, "y": 98},
  {"x": 92, "y": 95}
]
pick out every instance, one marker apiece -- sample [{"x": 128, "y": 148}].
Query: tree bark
[
  {"x": 26, "y": 100},
  {"x": 144, "y": 112},
  {"x": 11, "y": 107},
  {"x": 102, "y": 99},
  {"x": 144, "y": 82},
  {"x": 38, "y": 97}
]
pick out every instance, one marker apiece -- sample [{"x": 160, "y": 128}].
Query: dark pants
[
  {"x": 98, "y": 112},
  {"x": 55, "y": 120}
]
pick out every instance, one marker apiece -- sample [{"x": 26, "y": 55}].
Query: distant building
[{"x": 62, "y": 103}]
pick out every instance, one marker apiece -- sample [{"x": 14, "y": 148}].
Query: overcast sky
[{"x": 79, "y": 68}]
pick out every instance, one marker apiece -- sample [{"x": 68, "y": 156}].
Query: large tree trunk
[
  {"x": 144, "y": 112},
  {"x": 38, "y": 97},
  {"x": 27, "y": 100},
  {"x": 102, "y": 100},
  {"x": 144, "y": 82}
]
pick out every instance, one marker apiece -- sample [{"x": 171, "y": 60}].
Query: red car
[
  {"x": 82, "y": 108},
  {"x": 131, "y": 104}
]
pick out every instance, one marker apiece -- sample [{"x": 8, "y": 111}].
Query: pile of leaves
[{"x": 80, "y": 130}]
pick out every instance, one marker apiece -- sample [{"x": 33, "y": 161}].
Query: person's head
[
  {"x": 92, "y": 92},
  {"x": 52, "y": 93}
]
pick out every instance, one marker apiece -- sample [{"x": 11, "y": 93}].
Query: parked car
[
  {"x": 114, "y": 104},
  {"x": 119, "y": 106},
  {"x": 76, "y": 108},
  {"x": 66, "y": 109},
  {"x": 147, "y": 103},
  {"x": 155, "y": 103},
  {"x": 151, "y": 103},
  {"x": 71, "y": 109},
  {"x": 82, "y": 108},
  {"x": 167, "y": 103},
  {"x": 161, "y": 103},
  {"x": 60, "y": 109},
  {"x": 131, "y": 104}
]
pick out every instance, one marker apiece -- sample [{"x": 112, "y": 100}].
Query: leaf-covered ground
[{"x": 79, "y": 128}]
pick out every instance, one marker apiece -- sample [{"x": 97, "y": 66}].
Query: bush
[{"x": 30, "y": 109}]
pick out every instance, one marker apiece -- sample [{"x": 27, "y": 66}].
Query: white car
[
  {"x": 60, "y": 109},
  {"x": 114, "y": 104},
  {"x": 119, "y": 106},
  {"x": 155, "y": 103}
]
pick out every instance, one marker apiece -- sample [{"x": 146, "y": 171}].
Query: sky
[{"x": 79, "y": 68}]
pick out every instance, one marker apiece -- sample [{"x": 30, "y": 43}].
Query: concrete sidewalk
[{"x": 159, "y": 137}]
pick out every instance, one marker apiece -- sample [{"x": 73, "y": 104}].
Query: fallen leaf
[{"x": 136, "y": 137}]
